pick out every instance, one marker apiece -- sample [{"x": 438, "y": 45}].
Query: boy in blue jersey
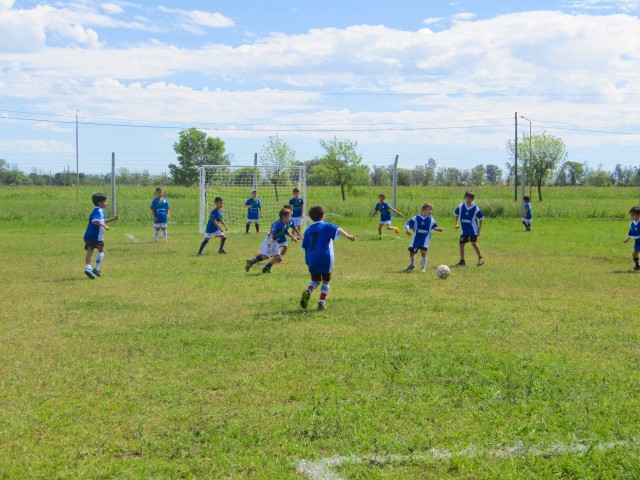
[
  {"x": 94, "y": 235},
  {"x": 254, "y": 211},
  {"x": 214, "y": 227},
  {"x": 527, "y": 216},
  {"x": 385, "y": 215},
  {"x": 161, "y": 215},
  {"x": 276, "y": 238},
  {"x": 422, "y": 225},
  {"x": 634, "y": 232},
  {"x": 469, "y": 217},
  {"x": 318, "y": 253},
  {"x": 298, "y": 207}
]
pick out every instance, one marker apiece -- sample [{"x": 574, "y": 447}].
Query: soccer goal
[{"x": 234, "y": 184}]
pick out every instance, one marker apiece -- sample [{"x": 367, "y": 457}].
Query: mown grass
[{"x": 178, "y": 366}]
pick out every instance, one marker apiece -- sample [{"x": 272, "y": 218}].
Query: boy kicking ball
[{"x": 385, "y": 215}]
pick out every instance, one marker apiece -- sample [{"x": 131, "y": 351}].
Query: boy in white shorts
[
  {"x": 161, "y": 214},
  {"x": 276, "y": 238},
  {"x": 297, "y": 204},
  {"x": 214, "y": 227}
]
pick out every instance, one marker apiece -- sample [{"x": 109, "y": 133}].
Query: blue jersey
[
  {"x": 95, "y": 232},
  {"x": 469, "y": 217},
  {"x": 318, "y": 246},
  {"x": 217, "y": 216},
  {"x": 634, "y": 230},
  {"x": 160, "y": 206},
  {"x": 297, "y": 205},
  {"x": 527, "y": 211},
  {"x": 385, "y": 211},
  {"x": 279, "y": 231},
  {"x": 253, "y": 208},
  {"x": 422, "y": 227}
]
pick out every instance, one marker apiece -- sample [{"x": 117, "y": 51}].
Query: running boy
[
  {"x": 385, "y": 215},
  {"x": 634, "y": 232},
  {"x": 94, "y": 235},
  {"x": 527, "y": 216},
  {"x": 254, "y": 211},
  {"x": 276, "y": 238},
  {"x": 469, "y": 216},
  {"x": 214, "y": 227},
  {"x": 318, "y": 247},
  {"x": 298, "y": 207},
  {"x": 422, "y": 225},
  {"x": 161, "y": 214}
]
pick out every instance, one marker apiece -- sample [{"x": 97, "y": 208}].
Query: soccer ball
[{"x": 443, "y": 271}]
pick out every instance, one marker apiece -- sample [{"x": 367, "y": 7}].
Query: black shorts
[
  {"x": 415, "y": 250},
  {"x": 468, "y": 238},
  {"x": 317, "y": 277},
  {"x": 93, "y": 244}
]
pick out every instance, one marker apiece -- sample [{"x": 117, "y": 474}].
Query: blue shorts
[{"x": 636, "y": 246}]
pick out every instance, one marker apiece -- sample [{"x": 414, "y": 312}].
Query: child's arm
[
  {"x": 440, "y": 229},
  {"x": 224, "y": 224},
  {"x": 372, "y": 215},
  {"x": 112, "y": 219},
  {"x": 260, "y": 210},
  {"x": 345, "y": 234},
  {"x": 457, "y": 221},
  {"x": 479, "y": 226},
  {"x": 168, "y": 214},
  {"x": 153, "y": 212},
  {"x": 270, "y": 239},
  {"x": 394, "y": 210}
]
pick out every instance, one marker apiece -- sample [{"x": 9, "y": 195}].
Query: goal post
[{"x": 234, "y": 184}]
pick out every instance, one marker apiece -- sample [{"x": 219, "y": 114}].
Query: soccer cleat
[
  {"x": 266, "y": 270},
  {"x": 397, "y": 230},
  {"x": 636, "y": 268},
  {"x": 480, "y": 261},
  {"x": 247, "y": 266},
  {"x": 423, "y": 270},
  {"x": 222, "y": 252},
  {"x": 304, "y": 301},
  {"x": 461, "y": 263},
  {"x": 409, "y": 268},
  {"x": 321, "y": 306},
  {"x": 96, "y": 272},
  {"x": 89, "y": 274},
  {"x": 379, "y": 237}
]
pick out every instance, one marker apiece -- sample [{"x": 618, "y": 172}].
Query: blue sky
[{"x": 413, "y": 78}]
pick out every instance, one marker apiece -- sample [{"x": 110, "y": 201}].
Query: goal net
[{"x": 234, "y": 184}]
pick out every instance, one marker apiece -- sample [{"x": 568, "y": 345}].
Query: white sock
[
  {"x": 88, "y": 267},
  {"x": 99, "y": 260},
  {"x": 424, "y": 262}
]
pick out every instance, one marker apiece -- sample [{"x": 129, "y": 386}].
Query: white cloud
[
  {"x": 431, "y": 21},
  {"x": 200, "y": 18},
  {"x": 112, "y": 8},
  {"x": 623, "y": 5}
]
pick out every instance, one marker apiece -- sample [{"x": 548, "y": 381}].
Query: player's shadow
[{"x": 628, "y": 272}]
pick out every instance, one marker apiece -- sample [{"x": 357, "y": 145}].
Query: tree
[
  {"x": 547, "y": 152},
  {"x": 380, "y": 176},
  {"x": 493, "y": 174},
  {"x": 430, "y": 172},
  {"x": 342, "y": 165},
  {"x": 194, "y": 149},
  {"x": 477, "y": 175},
  {"x": 276, "y": 155},
  {"x": 571, "y": 173}
]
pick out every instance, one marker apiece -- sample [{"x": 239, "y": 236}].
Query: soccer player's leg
[
  {"x": 324, "y": 290},
  {"x": 87, "y": 261}
]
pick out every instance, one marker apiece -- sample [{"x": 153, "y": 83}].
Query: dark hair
[
  {"x": 97, "y": 198},
  {"x": 526, "y": 198},
  {"x": 288, "y": 207},
  {"x": 284, "y": 212},
  {"x": 217, "y": 199},
  {"x": 469, "y": 194},
  {"x": 635, "y": 210},
  {"x": 316, "y": 213},
  {"x": 426, "y": 205},
  {"x": 382, "y": 195},
  {"x": 296, "y": 190},
  {"x": 158, "y": 189}
]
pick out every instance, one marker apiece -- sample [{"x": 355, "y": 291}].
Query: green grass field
[{"x": 178, "y": 366}]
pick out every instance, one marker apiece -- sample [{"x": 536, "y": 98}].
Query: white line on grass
[
  {"x": 131, "y": 237},
  {"x": 322, "y": 469}
]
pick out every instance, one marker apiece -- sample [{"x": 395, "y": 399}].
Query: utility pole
[
  {"x": 515, "y": 166},
  {"x": 77, "y": 162}
]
